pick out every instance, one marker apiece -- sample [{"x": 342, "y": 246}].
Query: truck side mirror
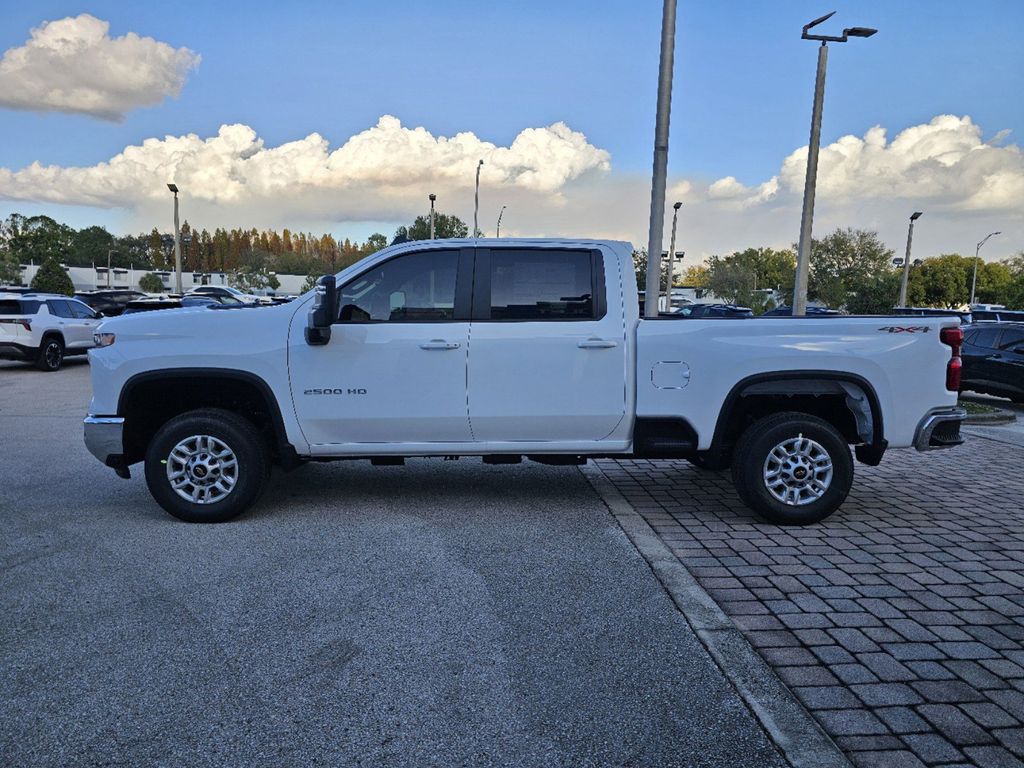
[{"x": 324, "y": 312}]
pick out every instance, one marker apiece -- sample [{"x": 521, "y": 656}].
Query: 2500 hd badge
[{"x": 339, "y": 391}]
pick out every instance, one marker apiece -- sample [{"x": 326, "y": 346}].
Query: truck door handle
[
  {"x": 439, "y": 344},
  {"x": 597, "y": 344}
]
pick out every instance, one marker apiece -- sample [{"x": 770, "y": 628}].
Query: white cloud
[
  {"x": 382, "y": 166},
  {"x": 943, "y": 163},
  {"x": 73, "y": 65}
]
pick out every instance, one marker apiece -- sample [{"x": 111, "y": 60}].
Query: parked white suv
[{"x": 42, "y": 328}]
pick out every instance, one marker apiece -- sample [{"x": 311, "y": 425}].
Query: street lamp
[
  {"x": 671, "y": 256},
  {"x": 977, "y": 258},
  {"x": 806, "y": 217},
  {"x": 432, "y": 197},
  {"x": 497, "y": 232},
  {"x": 659, "y": 175},
  {"x": 109, "y": 254},
  {"x": 476, "y": 200},
  {"x": 906, "y": 262},
  {"x": 177, "y": 241}
]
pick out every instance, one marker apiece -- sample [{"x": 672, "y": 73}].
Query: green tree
[
  {"x": 10, "y": 270},
  {"x": 151, "y": 283},
  {"x": 640, "y": 268},
  {"x": 34, "y": 239},
  {"x": 747, "y": 277},
  {"x": 696, "y": 275},
  {"x": 90, "y": 247},
  {"x": 940, "y": 281},
  {"x": 847, "y": 263},
  {"x": 377, "y": 241},
  {"x": 1015, "y": 291},
  {"x": 51, "y": 278},
  {"x": 445, "y": 226},
  {"x": 254, "y": 272}
]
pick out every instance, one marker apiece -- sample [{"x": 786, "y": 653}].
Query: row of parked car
[{"x": 44, "y": 328}]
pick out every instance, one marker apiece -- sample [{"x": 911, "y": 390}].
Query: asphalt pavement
[{"x": 444, "y": 613}]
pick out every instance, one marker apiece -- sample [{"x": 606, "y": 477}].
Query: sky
[{"x": 341, "y": 117}]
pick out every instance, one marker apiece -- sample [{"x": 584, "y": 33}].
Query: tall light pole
[
  {"x": 803, "y": 258},
  {"x": 177, "y": 241},
  {"x": 476, "y": 200},
  {"x": 977, "y": 258},
  {"x": 432, "y": 197},
  {"x": 497, "y": 232},
  {"x": 660, "y": 171},
  {"x": 906, "y": 261},
  {"x": 109, "y": 254},
  {"x": 671, "y": 256}
]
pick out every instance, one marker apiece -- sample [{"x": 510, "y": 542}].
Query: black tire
[
  {"x": 250, "y": 472},
  {"x": 750, "y": 462},
  {"x": 51, "y": 354}
]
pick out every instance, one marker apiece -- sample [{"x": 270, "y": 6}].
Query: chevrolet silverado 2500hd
[{"x": 504, "y": 349}]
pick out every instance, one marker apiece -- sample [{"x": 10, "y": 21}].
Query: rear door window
[
  {"x": 1011, "y": 339},
  {"x": 60, "y": 308},
  {"x": 541, "y": 285},
  {"x": 986, "y": 337}
]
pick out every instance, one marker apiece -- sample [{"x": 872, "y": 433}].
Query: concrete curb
[
  {"x": 796, "y": 733},
  {"x": 998, "y": 417}
]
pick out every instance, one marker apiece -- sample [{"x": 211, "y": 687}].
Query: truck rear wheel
[
  {"x": 207, "y": 466},
  {"x": 792, "y": 468}
]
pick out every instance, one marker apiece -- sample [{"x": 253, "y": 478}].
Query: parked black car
[
  {"x": 787, "y": 311},
  {"x": 993, "y": 359},
  {"x": 149, "y": 305},
  {"x": 965, "y": 317},
  {"x": 694, "y": 311},
  {"x": 110, "y": 301}
]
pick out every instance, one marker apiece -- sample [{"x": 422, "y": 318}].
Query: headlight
[{"x": 103, "y": 339}]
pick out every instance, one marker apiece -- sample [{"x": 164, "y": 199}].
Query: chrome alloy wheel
[
  {"x": 798, "y": 471},
  {"x": 202, "y": 469}
]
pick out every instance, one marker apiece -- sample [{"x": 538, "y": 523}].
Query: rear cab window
[{"x": 543, "y": 284}]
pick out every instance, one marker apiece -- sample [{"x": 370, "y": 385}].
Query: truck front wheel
[
  {"x": 207, "y": 466},
  {"x": 792, "y": 468}
]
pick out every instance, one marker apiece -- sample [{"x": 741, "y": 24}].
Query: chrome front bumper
[
  {"x": 103, "y": 437},
  {"x": 940, "y": 429}
]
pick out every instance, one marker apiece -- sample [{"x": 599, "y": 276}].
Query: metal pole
[
  {"x": 671, "y": 257},
  {"x": 476, "y": 201},
  {"x": 109, "y": 254},
  {"x": 177, "y": 248},
  {"x": 433, "y": 197},
  {"x": 906, "y": 265},
  {"x": 655, "y": 230},
  {"x": 501, "y": 213},
  {"x": 803, "y": 258},
  {"x": 977, "y": 258}
]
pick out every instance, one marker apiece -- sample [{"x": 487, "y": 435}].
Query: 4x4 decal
[{"x": 905, "y": 328}]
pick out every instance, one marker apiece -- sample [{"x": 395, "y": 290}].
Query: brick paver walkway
[{"x": 899, "y": 622}]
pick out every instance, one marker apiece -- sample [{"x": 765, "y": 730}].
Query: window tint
[
  {"x": 419, "y": 287},
  {"x": 541, "y": 285},
  {"x": 970, "y": 336},
  {"x": 1012, "y": 338},
  {"x": 986, "y": 337},
  {"x": 80, "y": 310},
  {"x": 59, "y": 308},
  {"x": 10, "y": 307}
]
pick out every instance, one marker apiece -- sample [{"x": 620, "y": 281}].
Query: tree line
[
  {"x": 252, "y": 257},
  {"x": 850, "y": 269}
]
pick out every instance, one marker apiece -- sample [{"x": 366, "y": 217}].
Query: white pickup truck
[{"x": 504, "y": 349}]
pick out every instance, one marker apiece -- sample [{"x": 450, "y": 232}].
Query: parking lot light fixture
[
  {"x": 977, "y": 258},
  {"x": 672, "y": 257},
  {"x": 177, "y": 241},
  {"x": 803, "y": 258},
  {"x": 432, "y": 197},
  {"x": 476, "y": 201},
  {"x": 906, "y": 261},
  {"x": 497, "y": 232}
]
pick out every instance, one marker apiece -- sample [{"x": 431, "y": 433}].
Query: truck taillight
[{"x": 954, "y": 339}]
